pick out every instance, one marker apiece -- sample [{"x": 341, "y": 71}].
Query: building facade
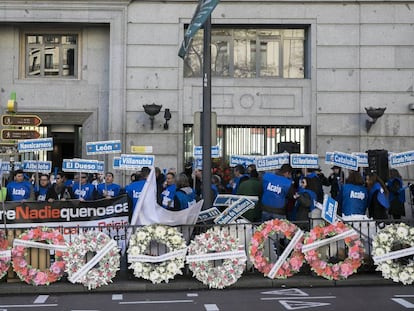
[{"x": 88, "y": 67}]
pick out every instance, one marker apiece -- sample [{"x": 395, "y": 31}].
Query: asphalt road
[{"x": 387, "y": 298}]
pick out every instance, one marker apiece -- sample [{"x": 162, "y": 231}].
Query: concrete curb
[{"x": 185, "y": 283}]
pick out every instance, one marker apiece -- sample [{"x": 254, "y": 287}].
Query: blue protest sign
[
  {"x": 37, "y": 166},
  {"x": 135, "y": 161},
  {"x": 242, "y": 160},
  {"x": 401, "y": 159},
  {"x": 103, "y": 147},
  {"x": 304, "y": 160},
  {"x": 329, "y": 158},
  {"x": 329, "y": 209},
  {"x": 362, "y": 158},
  {"x": 80, "y": 165},
  {"x": 234, "y": 211},
  {"x": 345, "y": 160},
  {"x": 31, "y": 145},
  {"x": 272, "y": 162},
  {"x": 198, "y": 151},
  {"x": 115, "y": 163}
]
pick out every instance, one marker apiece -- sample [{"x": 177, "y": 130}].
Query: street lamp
[
  {"x": 374, "y": 114},
  {"x": 152, "y": 110}
]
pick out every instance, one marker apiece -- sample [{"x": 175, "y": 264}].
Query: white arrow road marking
[
  {"x": 41, "y": 299},
  {"x": 295, "y": 304},
  {"x": 211, "y": 307},
  {"x": 117, "y": 297},
  {"x": 404, "y": 303},
  {"x": 314, "y": 297},
  {"x": 29, "y": 306},
  {"x": 286, "y": 292},
  {"x": 153, "y": 302}
]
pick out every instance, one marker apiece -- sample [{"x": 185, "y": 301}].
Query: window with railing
[
  {"x": 253, "y": 140},
  {"x": 250, "y": 53},
  {"x": 51, "y": 55}
]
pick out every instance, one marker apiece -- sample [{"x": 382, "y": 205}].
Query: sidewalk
[{"x": 185, "y": 283}]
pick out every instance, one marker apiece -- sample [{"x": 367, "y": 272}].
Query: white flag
[{"x": 148, "y": 212}]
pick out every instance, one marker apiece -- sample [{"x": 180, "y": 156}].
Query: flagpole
[{"x": 206, "y": 115}]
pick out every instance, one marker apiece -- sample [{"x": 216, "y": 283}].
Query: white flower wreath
[
  {"x": 384, "y": 256},
  {"x": 213, "y": 245},
  {"x": 107, "y": 257},
  {"x": 157, "y": 268}
]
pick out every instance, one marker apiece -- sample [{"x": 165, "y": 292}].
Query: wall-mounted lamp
[
  {"x": 374, "y": 114},
  {"x": 167, "y": 117},
  {"x": 152, "y": 110}
]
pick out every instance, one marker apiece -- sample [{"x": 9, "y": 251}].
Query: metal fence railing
[{"x": 41, "y": 258}]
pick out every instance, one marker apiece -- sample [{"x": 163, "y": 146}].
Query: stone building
[{"x": 299, "y": 72}]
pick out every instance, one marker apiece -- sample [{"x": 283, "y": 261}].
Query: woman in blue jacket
[
  {"x": 353, "y": 196},
  {"x": 378, "y": 202}
]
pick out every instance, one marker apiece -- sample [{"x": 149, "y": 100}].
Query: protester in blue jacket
[
  {"x": 276, "y": 188},
  {"x": 84, "y": 191},
  {"x": 19, "y": 189},
  {"x": 353, "y": 195},
  {"x": 305, "y": 201},
  {"x": 134, "y": 189},
  {"x": 378, "y": 202},
  {"x": 108, "y": 189},
  {"x": 41, "y": 189},
  {"x": 396, "y": 194},
  {"x": 184, "y": 195},
  {"x": 169, "y": 188}
]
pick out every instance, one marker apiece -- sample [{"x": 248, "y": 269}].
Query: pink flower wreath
[
  {"x": 32, "y": 275},
  {"x": 342, "y": 269},
  {"x": 292, "y": 264},
  {"x": 4, "y": 255}
]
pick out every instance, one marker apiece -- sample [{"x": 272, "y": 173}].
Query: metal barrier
[{"x": 40, "y": 258}]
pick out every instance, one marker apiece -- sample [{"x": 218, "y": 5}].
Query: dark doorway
[{"x": 63, "y": 148}]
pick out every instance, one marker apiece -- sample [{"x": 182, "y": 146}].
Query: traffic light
[{"x": 378, "y": 163}]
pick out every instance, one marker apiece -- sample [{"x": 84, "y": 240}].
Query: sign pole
[{"x": 206, "y": 120}]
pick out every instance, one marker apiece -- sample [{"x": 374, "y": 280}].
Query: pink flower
[
  {"x": 346, "y": 269},
  {"x": 40, "y": 279},
  {"x": 295, "y": 263}
]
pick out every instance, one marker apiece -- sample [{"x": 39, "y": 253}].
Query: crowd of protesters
[{"x": 285, "y": 193}]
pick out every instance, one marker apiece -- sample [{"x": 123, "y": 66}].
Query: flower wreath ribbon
[
  {"x": 28, "y": 274},
  {"x": 214, "y": 245},
  {"x": 5, "y": 255},
  {"x": 338, "y": 231},
  {"x": 290, "y": 261},
  {"x": 157, "y": 268},
  {"x": 384, "y": 258},
  {"x": 107, "y": 255}
]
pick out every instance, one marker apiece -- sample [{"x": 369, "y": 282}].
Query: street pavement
[{"x": 127, "y": 283}]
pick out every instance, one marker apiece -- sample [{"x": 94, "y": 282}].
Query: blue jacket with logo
[
  {"x": 353, "y": 199},
  {"x": 275, "y": 190},
  {"x": 17, "y": 191}
]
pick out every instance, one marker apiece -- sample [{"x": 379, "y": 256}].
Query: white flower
[
  {"x": 383, "y": 237},
  {"x": 160, "y": 232},
  {"x": 379, "y": 252},
  {"x": 404, "y": 276},
  {"x": 402, "y": 232},
  {"x": 385, "y": 268},
  {"x": 141, "y": 236},
  {"x": 176, "y": 240},
  {"x": 171, "y": 267},
  {"x": 134, "y": 251}
]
